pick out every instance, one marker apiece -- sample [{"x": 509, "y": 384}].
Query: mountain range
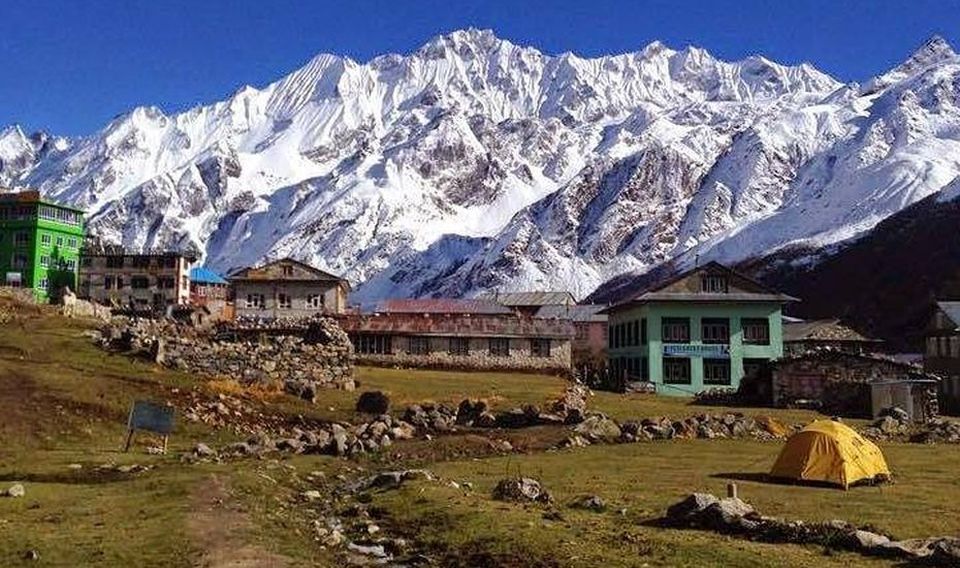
[{"x": 474, "y": 164}]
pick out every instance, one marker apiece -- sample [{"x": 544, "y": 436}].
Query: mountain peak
[{"x": 934, "y": 51}]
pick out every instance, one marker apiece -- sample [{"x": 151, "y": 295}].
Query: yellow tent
[{"x": 831, "y": 452}]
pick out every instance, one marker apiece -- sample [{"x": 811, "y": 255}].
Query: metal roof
[
  {"x": 577, "y": 313},
  {"x": 951, "y": 310},
  {"x": 203, "y": 275},
  {"x": 530, "y": 298},
  {"x": 441, "y": 306}
]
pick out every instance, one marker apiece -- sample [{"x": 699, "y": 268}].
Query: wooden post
[
  {"x": 165, "y": 438},
  {"x": 732, "y": 490},
  {"x": 126, "y": 447}
]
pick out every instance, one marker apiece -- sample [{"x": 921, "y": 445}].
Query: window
[
  {"x": 610, "y": 337},
  {"x": 715, "y": 330},
  {"x": 19, "y": 260},
  {"x": 643, "y": 331},
  {"x": 500, "y": 346},
  {"x": 71, "y": 265},
  {"x": 72, "y": 242},
  {"x": 119, "y": 282},
  {"x": 756, "y": 331},
  {"x": 141, "y": 261},
  {"x": 114, "y": 262},
  {"x": 108, "y": 282},
  {"x": 44, "y": 261},
  {"x": 459, "y": 346},
  {"x": 373, "y": 344},
  {"x": 315, "y": 301},
  {"x": 255, "y": 301},
  {"x": 21, "y": 239},
  {"x": 676, "y": 330},
  {"x": 44, "y": 283},
  {"x": 44, "y": 239},
  {"x": 540, "y": 347},
  {"x": 166, "y": 282},
  {"x": 676, "y": 371},
  {"x": 168, "y": 261},
  {"x": 287, "y": 270},
  {"x": 714, "y": 284},
  {"x": 283, "y": 301},
  {"x": 86, "y": 262},
  {"x": 637, "y": 333},
  {"x": 716, "y": 371},
  {"x": 140, "y": 282},
  {"x": 419, "y": 345},
  {"x": 59, "y": 241}
]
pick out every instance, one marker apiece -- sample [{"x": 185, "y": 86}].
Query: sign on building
[
  {"x": 150, "y": 417},
  {"x": 689, "y": 350}
]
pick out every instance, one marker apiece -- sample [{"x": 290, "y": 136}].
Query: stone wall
[
  {"x": 839, "y": 381},
  {"x": 319, "y": 356}
]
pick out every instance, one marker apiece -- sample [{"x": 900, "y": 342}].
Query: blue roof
[{"x": 204, "y": 275}]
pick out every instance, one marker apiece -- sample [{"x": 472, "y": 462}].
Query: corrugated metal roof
[
  {"x": 578, "y": 313},
  {"x": 951, "y": 310},
  {"x": 204, "y": 275},
  {"x": 441, "y": 306},
  {"x": 744, "y": 297},
  {"x": 530, "y": 298}
]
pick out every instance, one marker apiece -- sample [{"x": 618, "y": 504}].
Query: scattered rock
[
  {"x": 590, "y": 503},
  {"x": 598, "y": 428},
  {"x": 521, "y": 489},
  {"x": 16, "y": 490}
]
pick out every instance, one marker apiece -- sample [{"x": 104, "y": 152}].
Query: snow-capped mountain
[{"x": 474, "y": 163}]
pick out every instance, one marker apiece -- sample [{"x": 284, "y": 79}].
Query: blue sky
[{"x": 70, "y": 66}]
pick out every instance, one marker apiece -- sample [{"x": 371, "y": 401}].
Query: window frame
[
  {"x": 760, "y": 323},
  {"x": 670, "y": 363},
  {"x": 714, "y": 365},
  {"x": 714, "y": 325},
  {"x": 498, "y": 346},
  {"x": 458, "y": 346},
  {"x": 674, "y": 323},
  {"x": 541, "y": 347}
]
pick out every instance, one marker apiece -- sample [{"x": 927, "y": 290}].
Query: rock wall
[
  {"x": 319, "y": 356},
  {"x": 478, "y": 357}
]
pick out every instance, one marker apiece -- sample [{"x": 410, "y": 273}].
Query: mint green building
[
  {"x": 40, "y": 243},
  {"x": 706, "y": 328}
]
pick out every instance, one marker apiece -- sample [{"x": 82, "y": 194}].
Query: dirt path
[{"x": 216, "y": 526}]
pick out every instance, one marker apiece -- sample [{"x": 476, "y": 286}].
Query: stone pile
[
  {"x": 735, "y": 517},
  {"x": 894, "y": 424},
  {"x": 331, "y": 439},
  {"x": 598, "y": 428},
  {"x": 319, "y": 356}
]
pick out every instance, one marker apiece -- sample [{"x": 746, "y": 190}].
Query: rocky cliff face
[{"x": 474, "y": 163}]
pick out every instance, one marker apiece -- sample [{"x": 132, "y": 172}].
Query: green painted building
[
  {"x": 706, "y": 328},
  {"x": 40, "y": 243}
]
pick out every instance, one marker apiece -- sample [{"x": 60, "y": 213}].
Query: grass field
[{"x": 63, "y": 404}]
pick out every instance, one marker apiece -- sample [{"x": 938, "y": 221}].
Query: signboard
[
  {"x": 151, "y": 417},
  {"x": 690, "y": 350},
  {"x": 14, "y": 279}
]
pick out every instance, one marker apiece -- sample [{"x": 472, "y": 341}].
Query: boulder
[
  {"x": 598, "y": 427},
  {"x": 203, "y": 451},
  {"x": 725, "y": 513},
  {"x": 520, "y": 489},
  {"x": 866, "y": 540},
  {"x": 691, "y": 508},
  {"x": 15, "y": 490},
  {"x": 373, "y": 402}
]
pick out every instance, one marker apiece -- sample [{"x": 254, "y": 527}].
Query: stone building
[
  {"x": 139, "y": 281},
  {"x": 942, "y": 353},
  {"x": 459, "y": 334},
  {"x": 287, "y": 288},
  {"x": 589, "y": 346},
  {"x": 800, "y": 336},
  {"x": 706, "y": 328},
  {"x": 840, "y": 382}
]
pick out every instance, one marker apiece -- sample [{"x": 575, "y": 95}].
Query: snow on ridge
[{"x": 475, "y": 163}]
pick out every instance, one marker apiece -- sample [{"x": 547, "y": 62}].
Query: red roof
[{"x": 441, "y": 306}]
